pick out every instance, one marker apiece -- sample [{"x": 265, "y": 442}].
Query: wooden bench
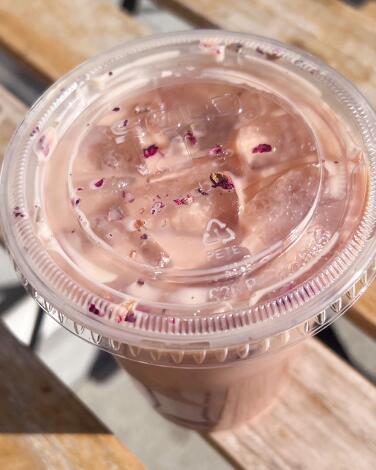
[
  {"x": 327, "y": 418},
  {"x": 43, "y": 425}
]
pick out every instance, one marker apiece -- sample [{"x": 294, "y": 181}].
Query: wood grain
[
  {"x": 12, "y": 112},
  {"x": 341, "y": 35},
  {"x": 326, "y": 419},
  {"x": 43, "y": 426},
  {"x": 55, "y": 35},
  {"x": 11, "y": 115},
  {"x": 363, "y": 312}
]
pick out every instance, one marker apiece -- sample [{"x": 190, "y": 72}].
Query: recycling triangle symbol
[{"x": 217, "y": 231}]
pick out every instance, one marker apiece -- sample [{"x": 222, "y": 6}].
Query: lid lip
[{"x": 364, "y": 115}]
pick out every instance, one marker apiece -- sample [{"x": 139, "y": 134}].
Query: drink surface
[{"x": 203, "y": 185}]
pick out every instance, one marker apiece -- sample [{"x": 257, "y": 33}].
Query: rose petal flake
[
  {"x": 268, "y": 55},
  {"x": 46, "y": 142},
  {"x": 220, "y": 180},
  {"x": 262, "y": 148},
  {"x": 214, "y": 48},
  {"x": 234, "y": 46},
  {"x": 157, "y": 207},
  {"x": 93, "y": 309},
  {"x": 216, "y": 151},
  {"x": 34, "y": 131},
  {"x": 97, "y": 184},
  {"x": 130, "y": 317},
  {"x": 129, "y": 197},
  {"x": 17, "y": 212},
  {"x": 190, "y": 138},
  {"x": 116, "y": 109},
  {"x": 184, "y": 201},
  {"x": 202, "y": 192},
  {"x": 150, "y": 151}
]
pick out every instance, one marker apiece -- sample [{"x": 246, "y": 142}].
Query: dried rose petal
[
  {"x": 157, "y": 207},
  {"x": 119, "y": 318},
  {"x": 129, "y": 197},
  {"x": 97, "y": 184},
  {"x": 262, "y": 148},
  {"x": 34, "y": 131},
  {"x": 190, "y": 138},
  {"x": 116, "y": 109},
  {"x": 234, "y": 46},
  {"x": 214, "y": 48},
  {"x": 186, "y": 201},
  {"x": 75, "y": 201},
  {"x": 130, "y": 317},
  {"x": 79, "y": 189},
  {"x": 269, "y": 55},
  {"x": 202, "y": 192},
  {"x": 150, "y": 151},
  {"x": 110, "y": 73},
  {"x": 139, "y": 223},
  {"x": 93, "y": 309},
  {"x": 44, "y": 145},
  {"x": 144, "y": 236},
  {"x": 18, "y": 213},
  {"x": 220, "y": 180},
  {"x": 140, "y": 282},
  {"x": 216, "y": 151},
  {"x": 124, "y": 123}
]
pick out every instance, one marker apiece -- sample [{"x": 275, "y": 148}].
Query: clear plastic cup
[{"x": 196, "y": 204}]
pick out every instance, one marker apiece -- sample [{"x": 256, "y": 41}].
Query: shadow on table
[{"x": 33, "y": 400}]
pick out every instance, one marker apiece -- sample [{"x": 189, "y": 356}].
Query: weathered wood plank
[
  {"x": 55, "y": 35},
  {"x": 43, "y": 426},
  {"x": 326, "y": 419},
  {"x": 12, "y": 112},
  {"x": 363, "y": 312},
  {"x": 339, "y": 34}
]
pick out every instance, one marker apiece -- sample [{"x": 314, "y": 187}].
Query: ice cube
[{"x": 277, "y": 209}]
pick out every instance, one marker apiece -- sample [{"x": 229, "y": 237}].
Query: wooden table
[
  {"x": 341, "y": 35},
  {"x": 327, "y": 418},
  {"x": 43, "y": 426}
]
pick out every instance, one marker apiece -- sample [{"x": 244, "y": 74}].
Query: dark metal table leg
[
  {"x": 329, "y": 337},
  {"x": 36, "y": 330},
  {"x": 130, "y": 5},
  {"x": 10, "y": 295}
]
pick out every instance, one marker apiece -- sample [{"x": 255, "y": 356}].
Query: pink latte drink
[{"x": 196, "y": 204}]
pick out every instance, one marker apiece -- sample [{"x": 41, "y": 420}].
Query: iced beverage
[{"x": 196, "y": 204}]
